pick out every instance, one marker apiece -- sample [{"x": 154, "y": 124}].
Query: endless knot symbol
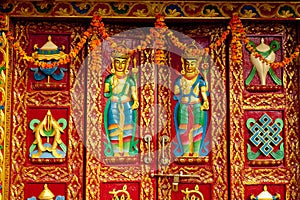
[{"x": 265, "y": 134}]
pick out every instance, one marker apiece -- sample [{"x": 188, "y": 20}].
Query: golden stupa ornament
[
  {"x": 46, "y": 194},
  {"x": 265, "y": 195}
]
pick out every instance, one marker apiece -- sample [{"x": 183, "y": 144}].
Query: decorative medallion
[
  {"x": 48, "y": 129},
  {"x": 48, "y": 53},
  {"x": 265, "y": 195},
  {"x": 46, "y": 194},
  {"x": 265, "y": 136}
]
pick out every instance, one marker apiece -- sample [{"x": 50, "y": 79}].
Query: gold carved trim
[
  {"x": 254, "y": 176},
  {"x": 94, "y": 124},
  {"x": 190, "y": 160},
  {"x": 263, "y": 101},
  {"x": 5, "y": 76},
  {"x": 121, "y": 160},
  {"x": 265, "y": 163},
  {"x": 237, "y": 157},
  {"x": 263, "y": 88},
  {"x": 147, "y": 119},
  {"x": 49, "y": 98},
  {"x": 45, "y": 174},
  {"x": 49, "y": 86}
]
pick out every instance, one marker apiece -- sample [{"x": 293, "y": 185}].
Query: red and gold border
[
  {"x": 146, "y": 9},
  {"x": 4, "y": 107}
]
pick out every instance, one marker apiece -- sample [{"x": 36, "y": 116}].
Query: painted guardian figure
[
  {"x": 120, "y": 111},
  {"x": 190, "y": 113}
]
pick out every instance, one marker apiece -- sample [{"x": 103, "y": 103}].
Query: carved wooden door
[
  {"x": 185, "y": 168},
  {"x": 157, "y": 170},
  {"x": 239, "y": 105},
  {"x": 246, "y": 144}
]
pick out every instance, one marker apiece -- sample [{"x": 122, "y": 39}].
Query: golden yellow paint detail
[
  {"x": 121, "y": 194},
  {"x": 192, "y": 194}
]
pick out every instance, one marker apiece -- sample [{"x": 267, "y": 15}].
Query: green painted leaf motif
[
  {"x": 63, "y": 147},
  {"x": 251, "y": 76},
  {"x": 32, "y": 147},
  {"x": 249, "y": 121},
  {"x": 2, "y": 68},
  {"x": 274, "y": 77},
  {"x": 279, "y": 155},
  {"x": 250, "y": 154},
  {"x": 48, "y": 133},
  {"x": 108, "y": 150},
  {"x": 33, "y": 122},
  {"x": 274, "y": 45},
  {"x": 63, "y": 122},
  {"x": 134, "y": 147}
]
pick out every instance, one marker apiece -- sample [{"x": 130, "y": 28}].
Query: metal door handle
[
  {"x": 147, "y": 158},
  {"x": 176, "y": 178},
  {"x": 164, "y": 160}
]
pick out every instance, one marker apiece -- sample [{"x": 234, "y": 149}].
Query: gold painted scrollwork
[
  {"x": 121, "y": 194},
  {"x": 192, "y": 194}
]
